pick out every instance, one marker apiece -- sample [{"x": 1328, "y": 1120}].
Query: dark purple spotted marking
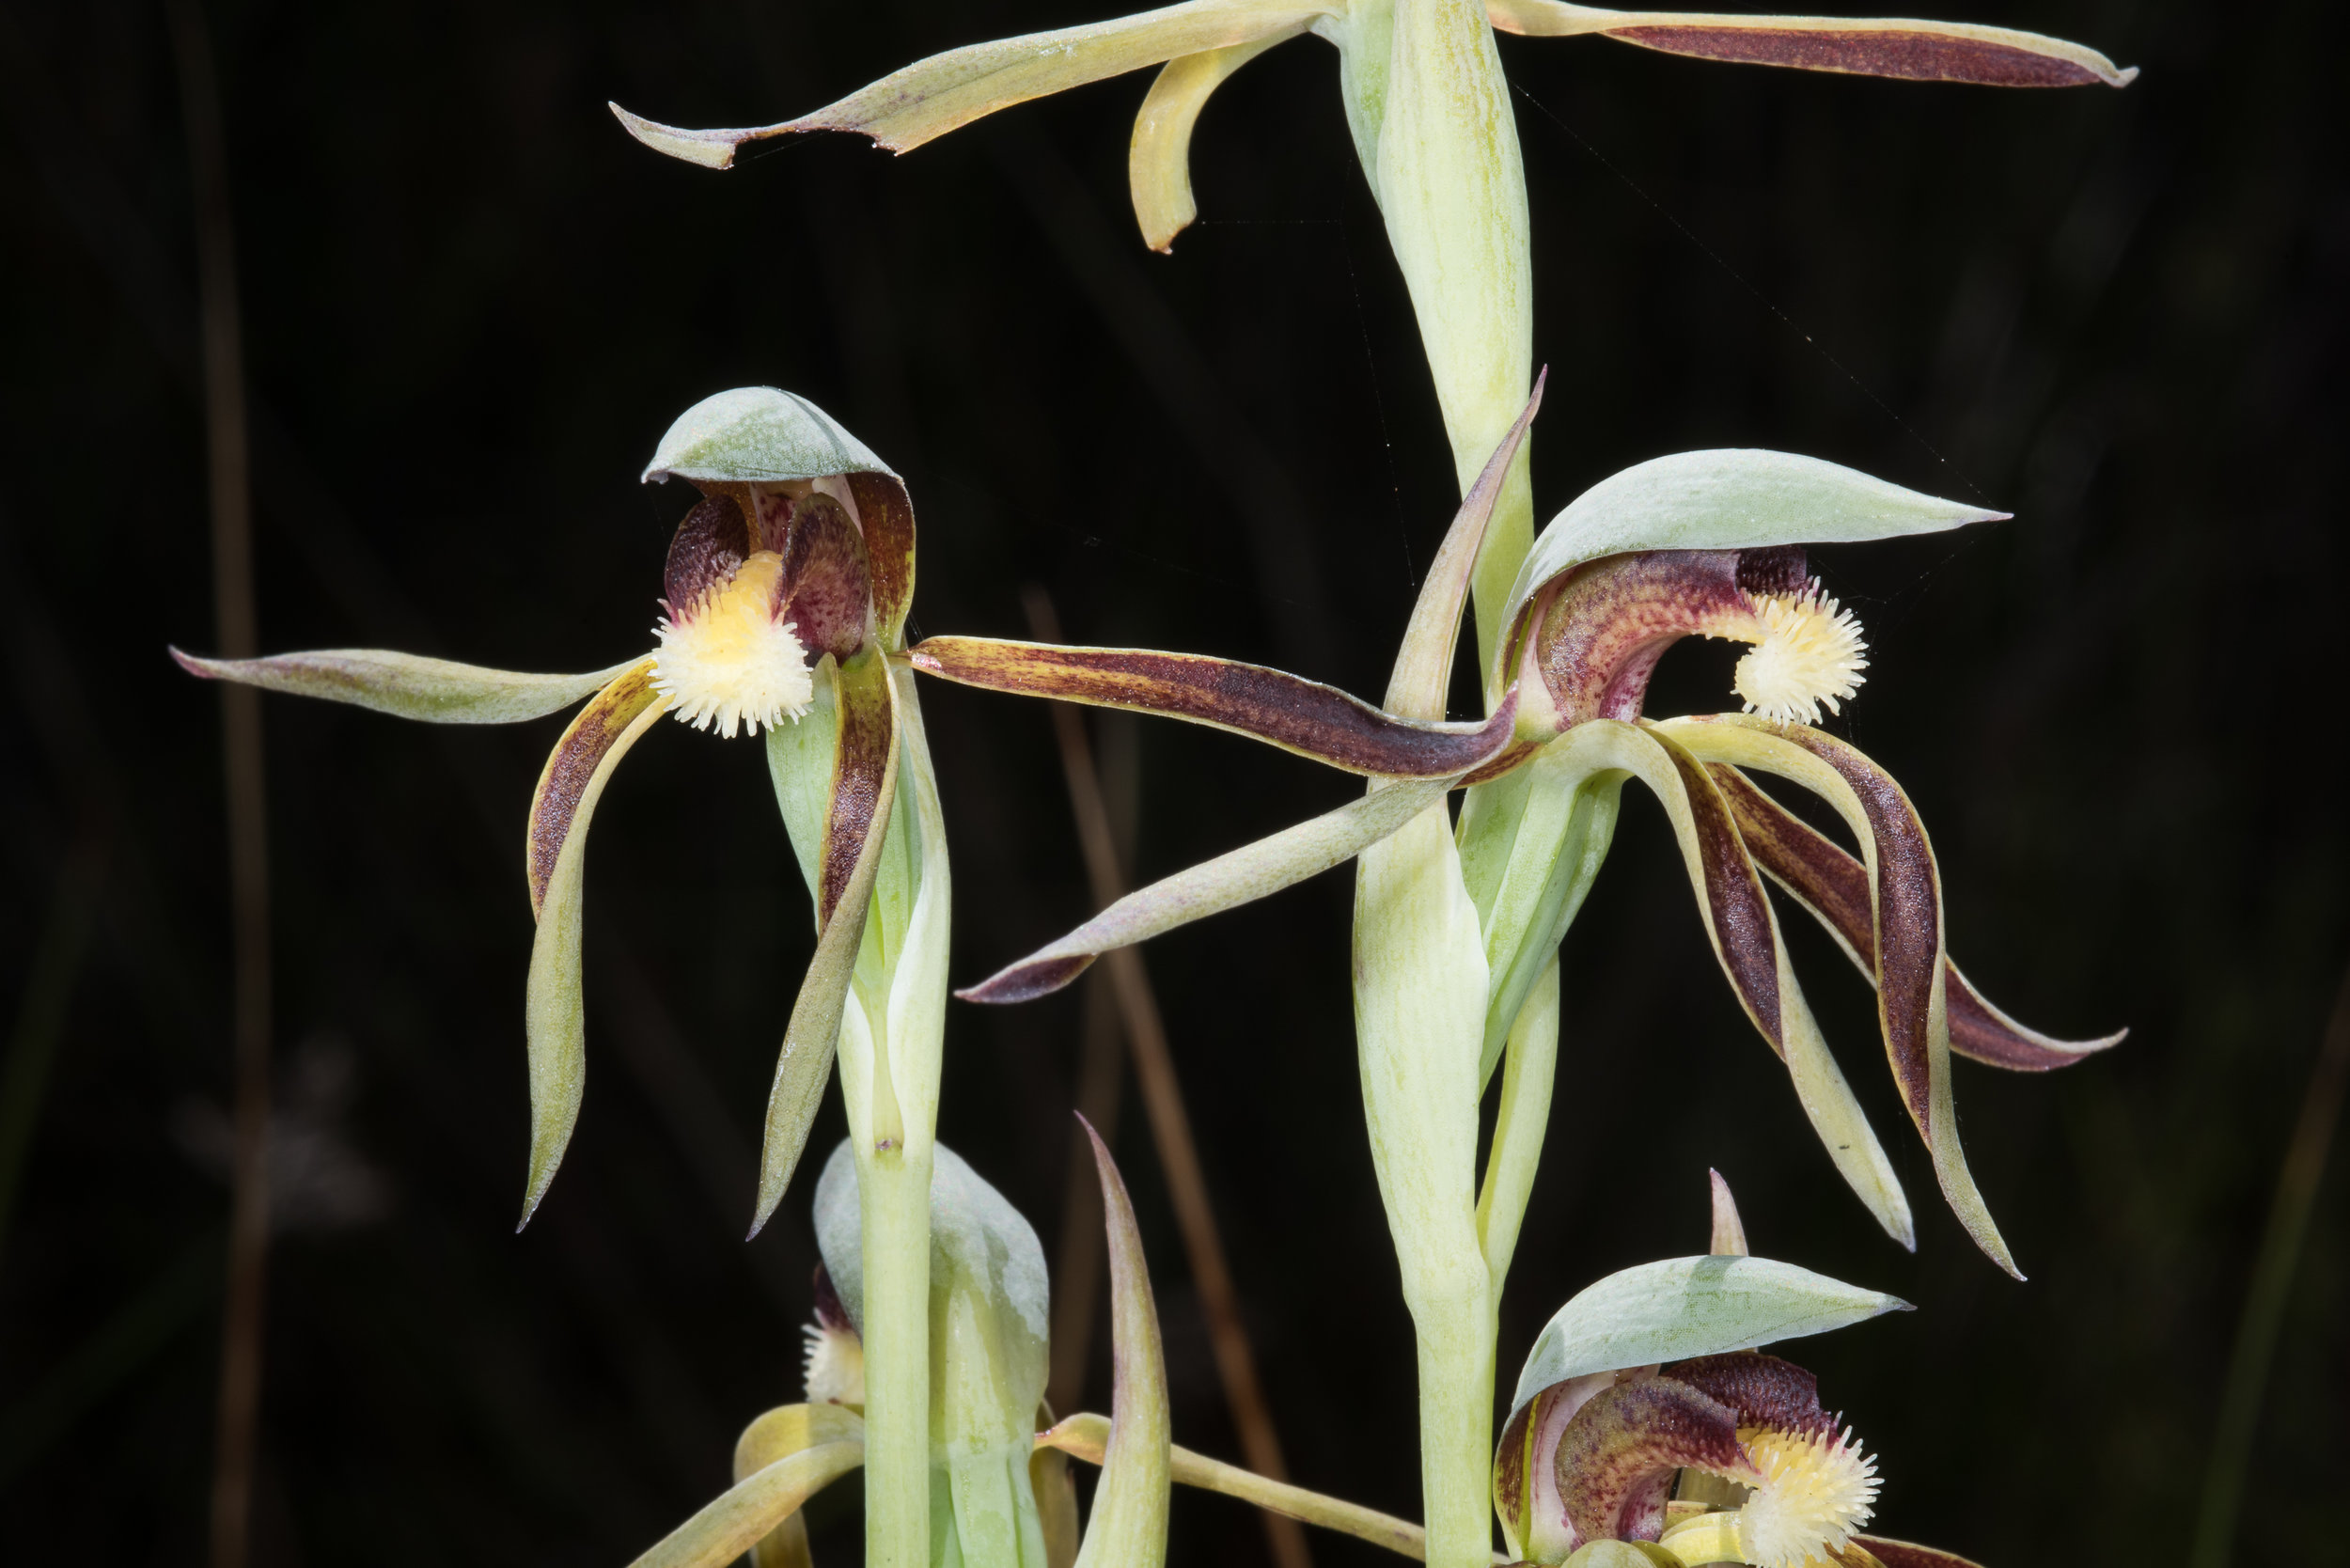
[
  {"x": 1834, "y": 887},
  {"x": 572, "y": 766},
  {"x": 867, "y": 724},
  {"x": 826, "y": 587},
  {"x": 708, "y": 549},
  {"x": 1317, "y": 721},
  {"x": 887, "y": 515},
  {"x": 1761, "y": 1390},
  {"x": 1905, "y": 54},
  {"x": 1616, "y": 1459}
]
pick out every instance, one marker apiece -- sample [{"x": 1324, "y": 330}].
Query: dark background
[{"x": 471, "y": 304}]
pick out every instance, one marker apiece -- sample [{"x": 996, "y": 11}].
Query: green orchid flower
[
  {"x": 1458, "y": 925},
  {"x": 1648, "y": 1428},
  {"x": 784, "y": 599}
]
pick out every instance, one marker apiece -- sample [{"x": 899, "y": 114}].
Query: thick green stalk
[{"x": 1419, "y": 1007}]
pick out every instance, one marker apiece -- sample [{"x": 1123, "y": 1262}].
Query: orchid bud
[{"x": 988, "y": 1314}]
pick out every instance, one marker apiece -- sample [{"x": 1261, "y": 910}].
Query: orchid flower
[
  {"x": 1458, "y": 926},
  {"x": 1649, "y": 1428},
  {"x": 784, "y": 599}
]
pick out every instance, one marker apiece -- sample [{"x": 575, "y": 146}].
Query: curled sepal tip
[
  {"x": 935, "y": 96},
  {"x": 1129, "y": 1506},
  {"x": 407, "y": 686},
  {"x": 1834, "y": 887},
  {"x": 1158, "y": 163},
  {"x": 556, "y": 852},
  {"x": 1270, "y": 705},
  {"x": 1902, "y": 48},
  {"x": 1248, "y": 873}
]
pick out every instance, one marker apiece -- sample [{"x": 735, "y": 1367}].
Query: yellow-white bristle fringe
[
  {"x": 726, "y": 661},
  {"x": 1810, "y": 653},
  {"x": 1812, "y": 1495}
]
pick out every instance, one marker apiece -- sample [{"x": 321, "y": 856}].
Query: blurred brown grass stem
[
  {"x": 226, "y": 449},
  {"x": 2272, "y": 1290},
  {"x": 1171, "y": 1126}
]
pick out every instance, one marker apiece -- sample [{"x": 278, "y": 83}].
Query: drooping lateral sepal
[
  {"x": 1901, "y": 48},
  {"x": 935, "y": 96},
  {"x": 407, "y": 686},
  {"x": 1743, "y": 931},
  {"x": 746, "y": 1512},
  {"x": 1905, "y": 900},
  {"x": 1834, "y": 887},
  {"x": 556, "y": 853},
  {"x": 1298, "y": 716}
]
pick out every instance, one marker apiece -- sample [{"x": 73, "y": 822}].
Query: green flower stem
[
  {"x": 895, "y": 1188},
  {"x": 1419, "y": 1008}
]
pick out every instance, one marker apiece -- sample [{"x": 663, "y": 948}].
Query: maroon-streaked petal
[
  {"x": 826, "y": 590},
  {"x": 1616, "y": 1459},
  {"x": 1525, "y": 1479},
  {"x": 1423, "y": 667},
  {"x": 708, "y": 549},
  {"x": 867, "y": 717},
  {"x": 887, "y": 514},
  {"x": 856, "y": 829},
  {"x": 1743, "y": 931},
  {"x": 1269, "y": 705},
  {"x": 1834, "y": 887},
  {"x": 571, "y": 767},
  {"x": 1905, "y": 895},
  {"x": 1761, "y": 1390},
  {"x": 1247, "y": 873},
  {"x": 1908, "y": 1554},
  {"x": 1899, "y": 48}
]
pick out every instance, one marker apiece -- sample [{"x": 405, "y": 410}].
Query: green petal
[
  {"x": 574, "y": 778},
  {"x": 1130, "y": 1505},
  {"x": 932, "y": 97},
  {"x": 1245, "y": 875},
  {"x": 1684, "y": 1307},
  {"x": 742, "y": 1513},
  {"x": 407, "y": 684},
  {"x": 1902, "y": 48},
  {"x": 1158, "y": 164},
  {"x": 1728, "y": 499}
]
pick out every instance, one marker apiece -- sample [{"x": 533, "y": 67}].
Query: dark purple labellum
[
  {"x": 831, "y": 1312},
  {"x": 826, "y": 588},
  {"x": 709, "y": 549},
  {"x": 1762, "y": 1390},
  {"x": 1616, "y": 1457},
  {"x": 1607, "y": 622}
]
